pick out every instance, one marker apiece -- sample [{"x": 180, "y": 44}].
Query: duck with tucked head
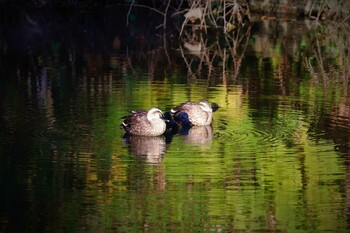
[
  {"x": 144, "y": 123},
  {"x": 192, "y": 113}
]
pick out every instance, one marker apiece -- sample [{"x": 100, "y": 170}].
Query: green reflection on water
[{"x": 256, "y": 171}]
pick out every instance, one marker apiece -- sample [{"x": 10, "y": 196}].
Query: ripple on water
[
  {"x": 62, "y": 134},
  {"x": 247, "y": 138},
  {"x": 259, "y": 129}
]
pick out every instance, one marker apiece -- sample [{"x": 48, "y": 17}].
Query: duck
[
  {"x": 193, "y": 113},
  {"x": 144, "y": 123}
]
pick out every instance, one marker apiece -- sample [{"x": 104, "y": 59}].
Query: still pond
[{"x": 276, "y": 158}]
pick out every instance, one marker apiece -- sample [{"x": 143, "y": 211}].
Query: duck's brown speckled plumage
[
  {"x": 196, "y": 113},
  {"x": 145, "y": 123}
]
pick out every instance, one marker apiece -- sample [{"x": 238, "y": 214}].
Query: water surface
[{"x": 276, "y": 158}]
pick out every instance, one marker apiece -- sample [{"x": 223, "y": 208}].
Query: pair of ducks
[{"x": 154, "y": 123}]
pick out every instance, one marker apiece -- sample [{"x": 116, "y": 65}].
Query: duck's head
[
  {"x": 205, "y": 106},
  {"x": 154, "y": 113}
]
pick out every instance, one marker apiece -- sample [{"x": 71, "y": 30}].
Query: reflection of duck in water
[
  {"x": 152, "y": 147},
  {"x": 144, "y": 123},
  {"x": 192, "y": 113},
  {"x": 199, "y": 135}
]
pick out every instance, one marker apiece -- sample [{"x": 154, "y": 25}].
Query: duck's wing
[
  {"x": 176, "y": 108},
  {"x": 183, "y": 107},
  {"x": 183, "y": 112},
  {"x": 135, "y": 117}
]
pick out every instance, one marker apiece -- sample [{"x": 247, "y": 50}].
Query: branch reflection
[{"x": 201, "y": 52}]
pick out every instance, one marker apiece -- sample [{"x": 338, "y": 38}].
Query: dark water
[{"x": 276, "y": 158}]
